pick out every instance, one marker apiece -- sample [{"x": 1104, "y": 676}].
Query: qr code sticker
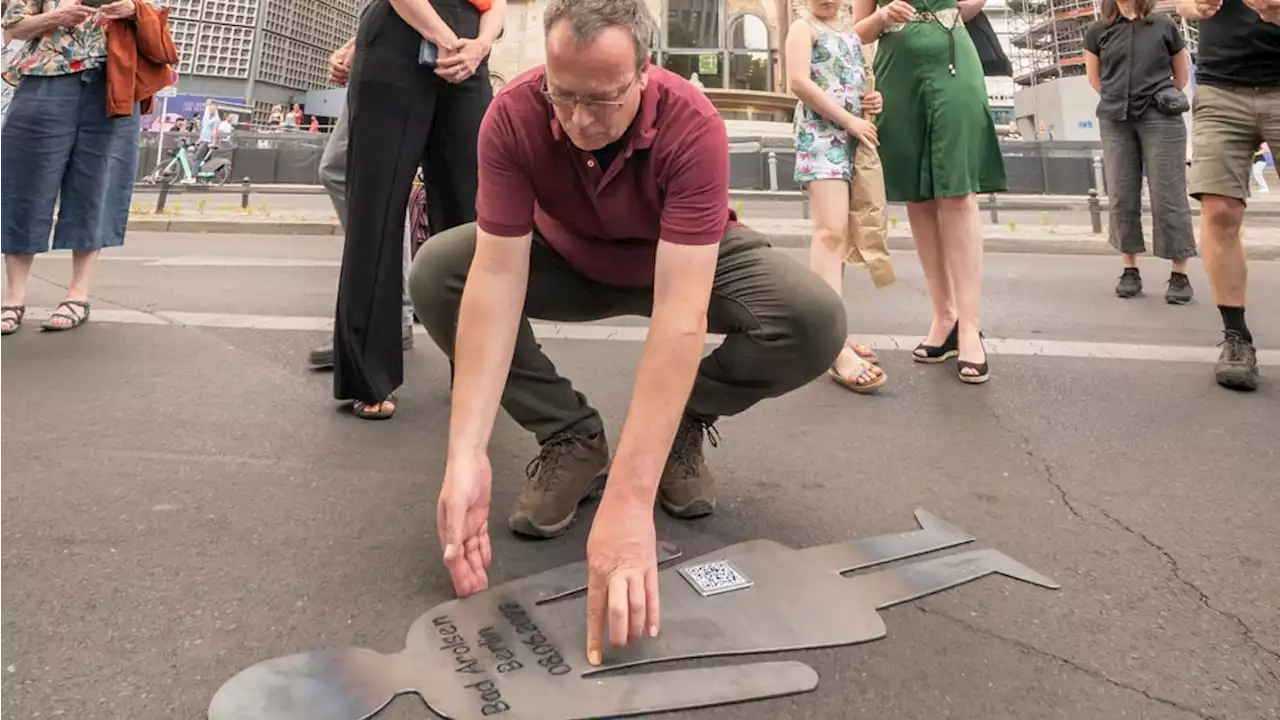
[{"x": 715, "y": 577}]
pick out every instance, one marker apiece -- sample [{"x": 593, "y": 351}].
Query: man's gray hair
[{"x": 588, "y": 18}]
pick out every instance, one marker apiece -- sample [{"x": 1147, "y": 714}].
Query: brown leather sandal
[{"x": 10, "y": 325}]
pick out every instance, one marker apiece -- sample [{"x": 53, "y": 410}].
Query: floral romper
[{"x": 824, "y": 149}]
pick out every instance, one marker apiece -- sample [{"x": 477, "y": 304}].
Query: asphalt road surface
[
  {"x": 182, "y": 499},
  {"x": 773, "y": 209}
]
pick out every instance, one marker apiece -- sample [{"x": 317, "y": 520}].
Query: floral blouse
[{"x": 62, "y": 51}]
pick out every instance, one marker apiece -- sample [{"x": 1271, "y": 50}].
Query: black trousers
[{"x": 403, "y": 116}]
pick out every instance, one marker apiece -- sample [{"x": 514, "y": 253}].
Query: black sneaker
[
  {"x": 1179, "y": 291},
  {"x": 1238, "y": 364},
  {"x": 1130, "y": 283},
  {"x": 322, "y": 358}
]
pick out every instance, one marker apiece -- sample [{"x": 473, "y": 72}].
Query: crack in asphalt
[
  {"x": 94, "y": 297},
  {"x": 1245, "y": 630},
  {"x": 1091, "y": 672}
]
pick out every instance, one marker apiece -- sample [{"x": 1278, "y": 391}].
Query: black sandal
[
  {"x": 939, "y": 353},
  {"x": 363, "y": 410},
  {"x": 982, "y": 369},
  {"x": 76, "y": 318},
  {"x": 20, "y": 311}
]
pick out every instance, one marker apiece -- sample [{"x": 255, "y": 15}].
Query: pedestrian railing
[{"x": 992, "y": 205}]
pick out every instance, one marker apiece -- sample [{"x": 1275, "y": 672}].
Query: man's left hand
[
  {"x": 622, "y": 575},
  {"x": 462, "y": 62},
  {"x": 1268, "y": 10},
  {"x": 118, "y": 10},
  {"x": 872, "y": 102}
]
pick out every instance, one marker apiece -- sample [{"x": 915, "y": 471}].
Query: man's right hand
[
  {"x": 340, "y": 64},
  {"x": 462, "y": 520}
]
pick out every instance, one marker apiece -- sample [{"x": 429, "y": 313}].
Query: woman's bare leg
[
  {"x": 963, "y": 256},
  {"x": 924, "y": 219},
  {"x": 17, "y": 268},
  {"x": 829, "y": 205}
]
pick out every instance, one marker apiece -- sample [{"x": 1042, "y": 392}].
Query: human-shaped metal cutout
[{"x": 518, "y": 650}]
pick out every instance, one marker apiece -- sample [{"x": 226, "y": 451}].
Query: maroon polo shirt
[{"x": 670, "y": 182}]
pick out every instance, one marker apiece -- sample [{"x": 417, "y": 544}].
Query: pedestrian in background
[
  {"x": 333, "y": 176},
  {"x": 412, "y": 104},
  {"x": 1260, "y": 168},
  {"x": 939, "y": 150},
  {"x": 1138, "y": 62},
  {"x": 1237, "y": 108},
  {"x": 826, "y": 71},
  {"x": 60, "y": 146}
]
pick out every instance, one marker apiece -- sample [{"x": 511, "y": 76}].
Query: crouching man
[{"x": 604, "y": 191}]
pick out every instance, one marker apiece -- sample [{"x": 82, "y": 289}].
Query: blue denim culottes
[{"x": 59, "y": 146}]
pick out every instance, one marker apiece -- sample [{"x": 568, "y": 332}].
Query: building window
[
  {"x": 693, "y": 24},
  {"x": 700, "y": 42},
  {"x": 751, "y": 60}
]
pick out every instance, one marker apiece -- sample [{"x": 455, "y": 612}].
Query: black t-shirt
[
  {"x": 1238, "y": 49},
  {"x": 606, "y": 154},
  {"x": 1134, "y": 62}
]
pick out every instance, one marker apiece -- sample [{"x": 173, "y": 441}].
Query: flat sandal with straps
[
  {"x": 66, "y": 310},
  {"x": 19, "y": 312}
]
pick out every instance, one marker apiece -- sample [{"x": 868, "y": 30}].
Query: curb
[
  {"x": 235, "y": 227},
  {"x": 898, "y": 241},
  {"x": 1034, "y": 245}
]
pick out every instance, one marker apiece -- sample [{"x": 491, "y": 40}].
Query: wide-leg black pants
[{"x": 402, "y": 115}]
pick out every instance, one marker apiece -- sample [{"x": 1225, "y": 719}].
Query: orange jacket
[{"x": 139, "y": 53}]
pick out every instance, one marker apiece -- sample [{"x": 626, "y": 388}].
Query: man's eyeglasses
[{"x": 590, "y": 104}]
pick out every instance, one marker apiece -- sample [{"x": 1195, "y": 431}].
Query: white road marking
[
  {"x": 637, "y": 333},
  {"x": 220, "y": 261}
]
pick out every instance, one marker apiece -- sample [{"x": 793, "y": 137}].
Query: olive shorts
[{"x": 1227, "y": 126}]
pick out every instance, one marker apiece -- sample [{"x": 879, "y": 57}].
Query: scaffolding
[
  {"x": 1050, "y": 34},
  {"x": 1048, "y": 37}
]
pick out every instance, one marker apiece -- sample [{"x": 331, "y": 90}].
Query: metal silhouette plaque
[{"x": 518, "y": 650}]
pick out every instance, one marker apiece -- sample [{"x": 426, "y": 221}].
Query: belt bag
[{"x": 1171, "y": 101}]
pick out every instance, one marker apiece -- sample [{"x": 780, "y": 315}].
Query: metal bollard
[
  {"x": 1099, "y": 180},
  {"x": 1095, "y": 211},
  {"x": 164, "y": 195},
  {"x": 244, "y": 194},
  {"x": 772, "y": 158},
  {"x": 994, "y": 207}
]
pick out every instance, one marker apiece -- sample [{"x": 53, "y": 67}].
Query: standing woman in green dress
[{"x": 939, "y": 150}]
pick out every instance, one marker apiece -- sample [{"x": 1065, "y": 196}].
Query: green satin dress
[{"x": 937, "y": 138}]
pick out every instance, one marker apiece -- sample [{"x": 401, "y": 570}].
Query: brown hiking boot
[
  {"x": 687, "y": 488},
  {"x": 569, "y": 469}
]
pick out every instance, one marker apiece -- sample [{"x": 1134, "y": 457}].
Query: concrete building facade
[{"x": 261, "y": 52}]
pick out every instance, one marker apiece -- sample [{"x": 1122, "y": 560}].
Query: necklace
[{"x": 827, "y": 25}]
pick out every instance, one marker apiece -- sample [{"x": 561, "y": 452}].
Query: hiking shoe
[
  {"x": 322, "y": 358},
  {"x": 1238, "y": 364},
  {"x": 687, "y": 488},
  {"x": 1179, "y": 291},
  {"x": 569, "y": 469},
  {"x": 1130, "y": 283}
]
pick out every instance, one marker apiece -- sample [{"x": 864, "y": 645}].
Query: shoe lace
[
  {"x": 1178, "y": 282},
  {"x": 546, "y": 470},
  {"x": 1234, "y": 346},
  {"x": 687, "y": 449}
]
